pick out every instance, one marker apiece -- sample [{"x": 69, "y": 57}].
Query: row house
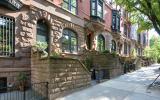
[{"x": 67, "y": 26}]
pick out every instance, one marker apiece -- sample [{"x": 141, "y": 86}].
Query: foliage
[
  {"x": 55, "y": 54},
  {"x": 133, "y": 53},
  {"x": 22, "y": 77},
  {"x": 42, "y": 46},
  {"x": 143, "y": 12},
  {"x": 114, "y": 54},
  {"x": 154, "y": 50},
  {"x": 88, "y": 62},
  {"x": 106, "y": 51}
]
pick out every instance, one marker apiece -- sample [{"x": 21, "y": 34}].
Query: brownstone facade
[
  {"x": 25, "y": 36},
  {"x": 63, "y": 74}
]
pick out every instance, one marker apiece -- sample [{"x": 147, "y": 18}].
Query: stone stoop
[{"x": 64, "y": 75}]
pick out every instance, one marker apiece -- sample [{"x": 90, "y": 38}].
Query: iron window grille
[{"x": 7, "y": 36}]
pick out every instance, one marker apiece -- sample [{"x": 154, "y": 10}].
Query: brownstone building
[{"x": 68, "y": 27}]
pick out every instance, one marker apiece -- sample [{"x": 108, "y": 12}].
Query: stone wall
[
  {"x": 63, "y": 74},
  {"x": 11, "y": 67},
  {"x": 106, "y": 61}
]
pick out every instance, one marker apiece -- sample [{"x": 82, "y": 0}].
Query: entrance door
[
  {"x": 3, "y": 84},
  {"x": 89, "y": 41}
]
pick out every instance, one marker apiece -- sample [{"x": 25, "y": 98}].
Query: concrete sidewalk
[{"x": 132, "y": 86}]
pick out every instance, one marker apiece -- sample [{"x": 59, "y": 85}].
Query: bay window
[
  {"x": 97, "y": 8},
  {"x": 115, "y": 21}
]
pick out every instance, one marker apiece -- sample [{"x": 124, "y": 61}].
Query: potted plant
[{"x": 22, "y": 80}]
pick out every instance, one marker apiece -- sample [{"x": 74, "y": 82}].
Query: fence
[{"x": 36, "y": 91}]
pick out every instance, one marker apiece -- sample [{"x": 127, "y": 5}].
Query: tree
[
  {"x": 144, "y": 12},
  {"x": 154, "y": 50}
]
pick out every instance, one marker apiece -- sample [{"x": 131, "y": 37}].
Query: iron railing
[
  {"x": 36, "y": 91},
  {"x": 7, "y": 34}
]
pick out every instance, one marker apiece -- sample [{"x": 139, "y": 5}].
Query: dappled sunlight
[{"x": 126, "y": 87}]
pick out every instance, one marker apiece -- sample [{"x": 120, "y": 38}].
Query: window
[
  {"x": 101, "y": 43},
  {"x": 129, "y": 49},
  {"x": 113, "y": 46},
  {"x": 125, "y": 29},
  {"x": 125, "y": 48},
  {"x": 144, "y": 39},
  {"x": 115, "y": 20},
  {"x": 7, "y": 36},
  {"x": 97, "y": 8},
  {"x": 42, "y": 31},
  {"x": 139, "y": 38},
  {"x": 70, "y": 5},
  {"x": 69, "y": 41}
]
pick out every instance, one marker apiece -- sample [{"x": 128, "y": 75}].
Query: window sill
[
  {"x": 68, "y": 53},
  {"x": 6, "y": 57}
]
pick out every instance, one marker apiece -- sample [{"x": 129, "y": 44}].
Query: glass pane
[
  {"x": 101, "y": 43},
  {"x": 93, "y": 5},
  {"x": 65, "y": 39},
  {"x": 93, "y": 12},
  {"x": 65, "y": 5},
  {"x": 73, "y": 41},
  {"x": 74, "y": 3},
  {"x": 74, "y": 49},
  {"x": 99, "y": 10},
  {"x": 72, "y": 34},
  {"x": 41, "y": 37},
  {"x": 2, "y": 22},
  {"x": 66, "y": 0},
  {"x": 42, "y": 31},
  {"x": 65, "y": 48},
  {"x": 73, "y": 10}
]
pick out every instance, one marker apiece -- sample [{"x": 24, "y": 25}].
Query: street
[{"x": 131, "y": 86}]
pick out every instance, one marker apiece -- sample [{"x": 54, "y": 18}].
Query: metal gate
[{"x": 36, "y": 91}]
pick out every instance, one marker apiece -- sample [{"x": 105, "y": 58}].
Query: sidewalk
[{"x": 130, "y": 86}]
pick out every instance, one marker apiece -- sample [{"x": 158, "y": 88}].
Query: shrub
[
  {"x": 106, "y": 51},
  {"x": 55, "y": 54}
]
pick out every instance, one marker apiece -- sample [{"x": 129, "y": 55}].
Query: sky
[{"x": 152, "y": 32}]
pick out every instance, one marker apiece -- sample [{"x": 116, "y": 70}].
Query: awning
[{"x": 11, "y": 4}]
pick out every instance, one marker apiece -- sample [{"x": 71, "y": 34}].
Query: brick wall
[{"x": 63, "y": 74}]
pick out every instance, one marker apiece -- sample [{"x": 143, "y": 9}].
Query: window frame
[
  {"x": 114, "y": 46},
  {"x": 46, "y": 32},
  {"x": 97, "y": 3},
  {"x": 70, "y": 34},
  {"x": 70, "y": 5},
  {"x": 125, "y": 48},
  {"x": 11, "y": 41},
  {"x": 101, "y": 43},
  {"x": 116, "y": 21}
]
